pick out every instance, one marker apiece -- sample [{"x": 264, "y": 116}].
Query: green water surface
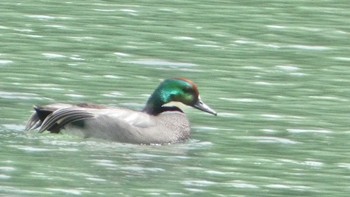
[{"x": 277, "y": 72}]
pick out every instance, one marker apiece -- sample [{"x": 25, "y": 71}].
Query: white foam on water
[
  {"x": 309, "y": 131},
  {"x": 53, "y": 55}
]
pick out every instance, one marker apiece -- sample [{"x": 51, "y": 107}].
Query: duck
[{"x": 161, "y": 121}]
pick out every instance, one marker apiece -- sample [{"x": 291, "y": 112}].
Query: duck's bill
[{"x": 202, "y": 106}]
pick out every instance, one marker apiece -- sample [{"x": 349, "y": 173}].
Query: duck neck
[{"x": 154, "y": 104}]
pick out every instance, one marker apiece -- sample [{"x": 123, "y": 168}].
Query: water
[{"x": 276, "y": 72}]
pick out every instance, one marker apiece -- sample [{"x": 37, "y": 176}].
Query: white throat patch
[{"x": 176, "y": 104}]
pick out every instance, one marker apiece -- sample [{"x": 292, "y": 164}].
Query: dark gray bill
[{"x": 202, "y": 106}]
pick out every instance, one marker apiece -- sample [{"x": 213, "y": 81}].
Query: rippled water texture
[{"x": 276, "y": 71}]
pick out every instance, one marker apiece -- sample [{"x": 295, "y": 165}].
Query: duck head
[{"x": 176, "y": 90}]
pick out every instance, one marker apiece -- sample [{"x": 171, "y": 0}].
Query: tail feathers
[
  {"x": 33, "y": 122},
  {"x": 37, "y": 118},
  {"x": 59, "y": 118},
  {"x": 42, "y": 112},
  {"x": 54, "y": 120}
]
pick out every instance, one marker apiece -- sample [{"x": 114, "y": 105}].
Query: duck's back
[
  {"x": 138, "y": 127},
  {"x": 115, "y": 124}
]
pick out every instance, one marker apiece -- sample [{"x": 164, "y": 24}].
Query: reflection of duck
[{"x": 157, "y": 123}]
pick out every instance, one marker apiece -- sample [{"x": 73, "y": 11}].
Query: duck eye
[{"x": 188, "y": 90}]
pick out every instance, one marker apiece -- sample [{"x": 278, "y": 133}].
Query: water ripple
[
  {"x": 158, "y": 62},
  {"x": 241, "y": 184},
  {"x": 53, "y": 55},
  {"x": 309, "y": 131},
  {"x": 5, "y": 62},
  {"x": 20, "y": 95},
  {"x": 69, "y": 191},
  {"x": 263, "y": 139}
]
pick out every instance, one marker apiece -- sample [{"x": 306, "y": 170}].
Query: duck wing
[
  {"x": 55, "y": 117},
  {"x": 40, "y": 114},
  {"x": 45, "y": 113},
  {"x": 34, "y": 122},
  {"x": 113, "y": 124},
  {"x": 61, "y": 117}
]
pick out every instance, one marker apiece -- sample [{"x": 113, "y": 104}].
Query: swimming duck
[{"x": 157, "y": 123}]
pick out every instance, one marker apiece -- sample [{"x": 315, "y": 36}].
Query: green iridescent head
[{"x": 175, "y": 90}]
